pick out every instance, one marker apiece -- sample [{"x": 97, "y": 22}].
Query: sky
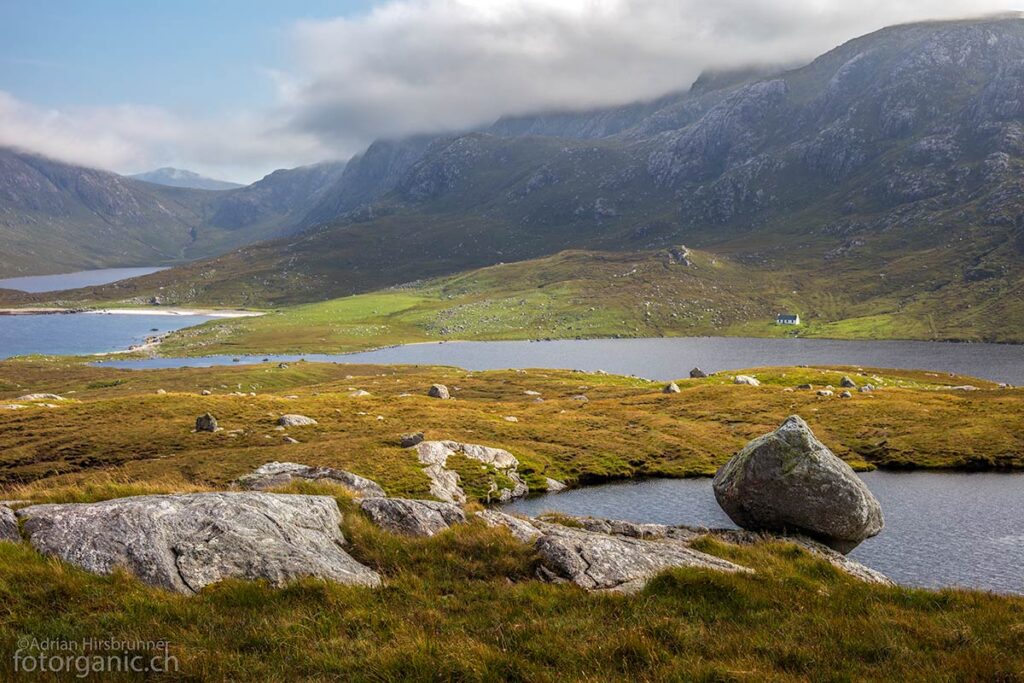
[{"x": 236, "y": 89}]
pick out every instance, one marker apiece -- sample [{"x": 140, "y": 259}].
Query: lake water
[
  {"x": 672, "y": 358},
  {"x": 83, "y": 333},
  {"x": 83, "y": 278},
  {"x": 941, "y": 529}
]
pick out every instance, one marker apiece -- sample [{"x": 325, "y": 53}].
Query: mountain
[
  {"x": 57, "y": 217},
  {"x": 176, "y": 177}
]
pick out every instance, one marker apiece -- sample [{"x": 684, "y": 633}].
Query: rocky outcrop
[
  {"x": 410, "y": 440},
  {"x": 671, "y": 388},
  {"x": 746, "y": 379},
  {"x": 697, "y": 373},
  {"x": 295, "y": 421},
  {"x": 186, "y": 542},
  {"x": 276, "y": 474},
  {"x": 40, "y": 397},
  {"x": 206, "y": 423},
  {"x": 412, "y": 517},
  {"x": 789, "y": 481},
  {"x": 553, "y": 485},
  {"x": 445, "y": 484},
  {"x": 602, "y": 562},
  {"x": 439, "y": 391},
  {"x": 522, "y": 529},
  {"x": 8, "y": 525}
]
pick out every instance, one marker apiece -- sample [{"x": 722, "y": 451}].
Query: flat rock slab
[
  {"x": 412, "y": 517},
  {"x": 9, "y": 525},
  {"x": 601, "y": 562},
  {"x": 186, "y": 542},
  {"x": 293, "y": 420},
  {"x": 275, "y": 474},
  {"x": 523, "y": 529}
]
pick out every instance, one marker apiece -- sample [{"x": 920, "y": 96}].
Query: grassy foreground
[{"x": 464, "y": 605}]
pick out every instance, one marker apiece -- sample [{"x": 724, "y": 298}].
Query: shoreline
[{"x": 205, "y": 312}]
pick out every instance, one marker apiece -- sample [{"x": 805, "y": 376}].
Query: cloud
[
  {"x": 134, "y": 138},
  {"x": 414, "y": 66}
]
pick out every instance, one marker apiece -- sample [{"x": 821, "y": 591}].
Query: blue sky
[{"x": 235, "y": 89}]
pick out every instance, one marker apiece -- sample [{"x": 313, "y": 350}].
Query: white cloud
[
  {"x": 412, "y": 66},
  {"x": 425, "y": 65}
]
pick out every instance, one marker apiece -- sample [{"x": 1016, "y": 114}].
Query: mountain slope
[{"x": 176, "y": 177}]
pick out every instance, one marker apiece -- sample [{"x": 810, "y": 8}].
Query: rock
[
  {"x": 510, "y": 418},
  {"x": 276, "y": 474},
  {"x": 553, "y": 485},
  {"x": 789, "y": 481},
  {"x": 412, "y": 517},
  {"x": 522, "y": 529},
  {"x": 847, "y": 383},
  {"x": 282, "y": 366},
  {"x": 581, "y": 398},
  {"x": 289, "y": 439},
  {"x": 845, "y": 394},
  {"x": 295, "y": 421},
  {"x": 439, "y": 391},
  {"x": 358, "y": 393},
  {"x": 746, "y": 379},
  {"x": 410, "y": 440},
  {"x": 671, "y": 388},
  {"x": 530, "y": 392},
  {"x": 160, "y": 392},
  {"x": 205, "y": 392},
  {"x": 206, "y": 423},
  {"x": 697, "y": 373},
  {"x": 962, "y": 387},
  {"x": 825, "y": 392},
  {"x": 9, "y": 525},
  {"x": 805, "y": 387},
  {"x": 40, "y": 397},
  {"x": 186, "y": 542},
  {"x": 601, "y": 562},
  {"x": 446, "y": 484},
  {"x": 866, "y": 389}
]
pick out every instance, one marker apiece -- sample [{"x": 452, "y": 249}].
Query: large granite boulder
[
  {"x": 412, "y": 517},
  {"x": 206, "y": 423},
  {"x": 788, "y": 481},
  {"x": 276, "y": 474},
  {"x": 8, "y": 525},
  {"x": 295, "y": 421},
  {"x": 188, "y": 541},
  {"x": 439, "y": 391}
]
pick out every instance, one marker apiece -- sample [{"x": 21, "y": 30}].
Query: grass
[{"x": 465, "y": 605}]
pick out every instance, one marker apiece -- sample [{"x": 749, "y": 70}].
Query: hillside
[{"x": 891, "y": 164}]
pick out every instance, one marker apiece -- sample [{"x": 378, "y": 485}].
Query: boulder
[
  {"x": 410, "y": 440},
  {"x": 866, "y": 389},
  {"x": 359, "y": 393},
  {"x": 805, "y": 387},
  {"x": 188, "y": 541},
  {"x": 8, "y": 525},
  {"x": 439, "y": 391},
  {"x": 412, "y": 517},
  {"x": 825, "y": 392},
  {"x": 206, "y": 423},
  {"x": 789, "y": 481},
  {"x": 746, "y": 379},
  {"x": 847, "y": 383},
  {"x": 553, "y": 485},
  {"x": 40, "y": 397},
  {"x": 671, "y": 388},
  {"x": 295, "y": 421},
  {"x": 522, "y": 529},
  {"x": 697, "y": 373},
  {"x": 275, "y": 474},
  {"x": 602, "y": 562},
  {"x": 845, "y": 394}
]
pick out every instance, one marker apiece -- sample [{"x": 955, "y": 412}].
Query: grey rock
[
  {"x": 746, "y": 379},
  {"x": 8, "y": 525},
  {"x": 289, "y": 439},
  {"x": 276, "y": 474},
  {"x": 359, "y": 393},
  {"x": 847, "y": 383},
  {"x": 805, "y": 387},
  {"x": 410, "y": 440},
  {"x": 825, "y": 392},
  {"x": 206, "y": 423},
  {"x": 522, "y": 529},
  {"x": 581, "y": 398},
  {"x": 866, "y": 389},
  {"x": 553, "y": 485},
  {"x": 845, "y": 394},
  {"x": 186, "y": 542},
  {"x": 439, "y": 391},
  {"x": 789, "y": 481},
  {"x": 40, "y": 397},
  {"x": 412, "y": 517},
  {"x": 295, "y": 421},
  {"x": 671, "y": 388},
  {"x": 697, "y": 373},
  {"x": 446, "y": 485},
  {"x": 602, "y": 562}
]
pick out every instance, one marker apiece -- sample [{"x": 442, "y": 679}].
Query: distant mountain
[
  {"x": 58, "y": 217},
  {"x": 892, "y": 167},
  {"x": 176, "y": 177}
]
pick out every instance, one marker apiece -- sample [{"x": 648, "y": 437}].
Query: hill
[{"x": 176, "y": 177}]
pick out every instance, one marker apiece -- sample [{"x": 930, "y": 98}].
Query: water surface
[
  {"x": 671, "y": 358},
  {"x": 82, "y": 278},
  {"x": 941, "y": 529},
  {"x": 83, "y": 333}
]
